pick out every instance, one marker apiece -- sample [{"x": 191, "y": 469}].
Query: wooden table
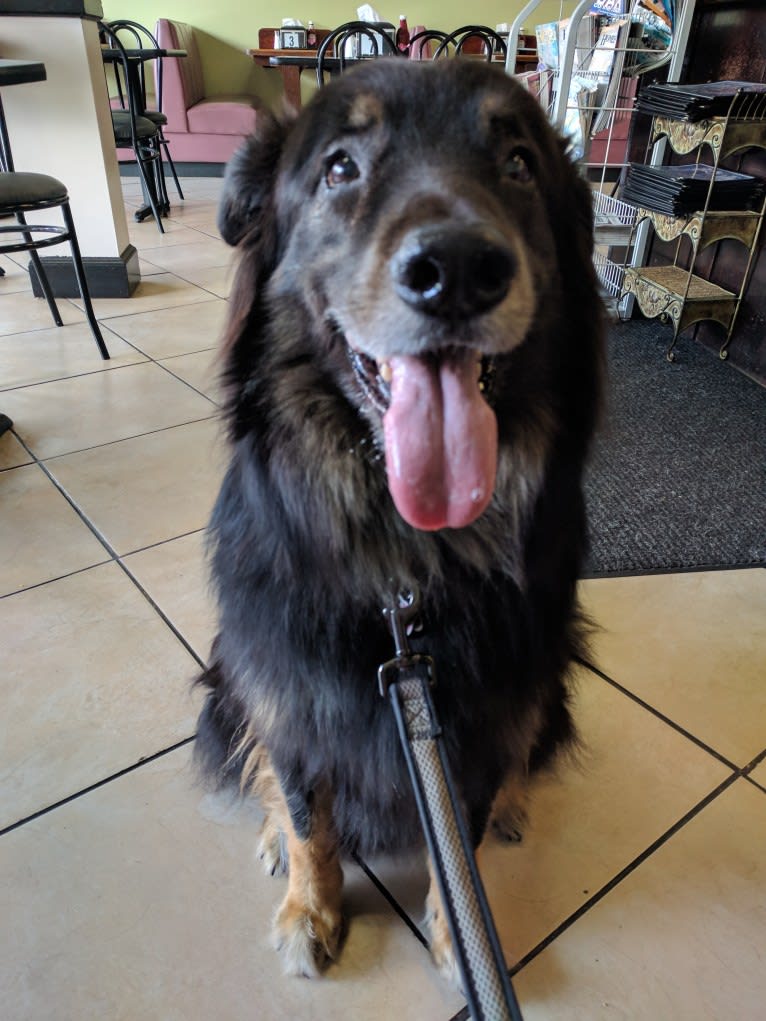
[
  {"x": 136, "y": 57},
  {"x": 290, "y": 64}
]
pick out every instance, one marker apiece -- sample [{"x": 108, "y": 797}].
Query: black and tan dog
[{"x": 411, "y": 367}]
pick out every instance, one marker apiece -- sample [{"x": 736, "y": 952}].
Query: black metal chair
[
  {"x": 334, "y": 45},
  {"x": 22, "y": 193},
  {"x": 420, "y": 43},
  {"x": 135, "y": 132},
  {"x": 144, "y": 39},
  {"x": 472, "y": 40}
]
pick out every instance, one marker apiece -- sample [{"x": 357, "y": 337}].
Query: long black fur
[{"x": 306, "y": 544}]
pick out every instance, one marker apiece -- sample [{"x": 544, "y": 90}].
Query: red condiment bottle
[{"x": 402, "y": 34}]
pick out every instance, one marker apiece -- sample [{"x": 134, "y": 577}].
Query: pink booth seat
[{"x": 200, "y": 128}]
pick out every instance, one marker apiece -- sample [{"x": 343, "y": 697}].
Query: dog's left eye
[
  {"x": 517, "y": 166},
  {"x": 341, "y": 169}
]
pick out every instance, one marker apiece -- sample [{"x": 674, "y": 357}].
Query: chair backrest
[
  {"x": 350, "y": 35},
  {"x": 422, "y": 42},
  {"x": 135, "y": 35},
  {"x": 472, "y": 39},
  {"x": 182, "y": 81},
  {"x": 123, "y": 121}
]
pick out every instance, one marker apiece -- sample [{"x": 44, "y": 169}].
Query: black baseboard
[
  {"x": 114, "y": 277},
  {"x": 182, "y": 169}
]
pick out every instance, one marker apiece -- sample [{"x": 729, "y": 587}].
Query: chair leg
[
  {"x": 163, "y": 200},
  {"x": 79, "y": 270},
  {"x": 151, "y": 192},
  {"x": 41, "y": 274},
  {"x": 171, "y": 164}
]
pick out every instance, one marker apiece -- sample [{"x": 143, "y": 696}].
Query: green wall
[{"x": 225, "y": 28}]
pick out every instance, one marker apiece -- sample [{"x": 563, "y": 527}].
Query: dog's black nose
[{"x": 454, "y": 272}]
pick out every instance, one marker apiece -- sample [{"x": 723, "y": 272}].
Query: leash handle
[{"x": 406, "y": 681}]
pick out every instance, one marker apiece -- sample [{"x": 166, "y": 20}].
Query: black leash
[{"x": 406, "y": 681}]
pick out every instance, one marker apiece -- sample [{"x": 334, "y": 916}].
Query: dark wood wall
[{"x": 728, "y": 42}]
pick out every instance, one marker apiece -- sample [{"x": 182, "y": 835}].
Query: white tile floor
[{"x": 126, "y": 892}]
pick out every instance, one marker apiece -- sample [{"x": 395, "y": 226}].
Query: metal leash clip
[{"x": 402, "y": 618}]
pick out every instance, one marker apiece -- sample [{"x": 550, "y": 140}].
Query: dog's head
[{"x": 419, "y": 223}]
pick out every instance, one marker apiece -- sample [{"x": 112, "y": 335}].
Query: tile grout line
[
  {"x": 125, "y": 439},
  {"x": 389, "y": 897},
  {"x": 194, "y": 389},
  {"x": 615, "y": 881},
  {"x": 113, "y": 557},
  {"x": 657, "y": 713},
  {"x": 99, "y": 783},
  {"x": 116, "y": 559},
  {"x": 757, "y": 761},
  {"x": 629, "y": 869}
]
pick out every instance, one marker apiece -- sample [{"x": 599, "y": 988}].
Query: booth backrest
[{"x": 182, "y": 81}]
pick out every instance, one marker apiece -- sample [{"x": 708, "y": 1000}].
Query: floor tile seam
[
  {"x": 13, "y": 467},
  {"x": 161, "y": 359},
  {"x": 143, "y": 312},
  {"x": 658, "y": 714},
  {"x": 161, "y": 542},
  {"x": 79, "y": 375},
  {"x": 391, "y": 900},
  {"x": 614, "y": 882},
  {"x": 47, "y": 326},
  {"x": 114, "y": 557},
  {"x": 55, "y": 578},
  {"x": 197, "y": 284},
  {"x": 97, "y": 785},
  {"x": 226, "y": 262},
  {"x": 90, "y": 525},
  {"x": 161, "y": 613},
  {"x": 104, "y": 318},
  {"x": 216, "y": 404},
  {"x": 747, "y": 772},
  {"x": 47, "y": 459},
  {"x": 627, "y": 871},
  {"x": 212, "y": 233}
]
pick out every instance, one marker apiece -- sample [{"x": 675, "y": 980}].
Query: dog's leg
[
  {"x": 509, "y": 809},
  {"x": 442, "y": 949},
  {"x": 308, "y": 924},
  {"x": 272, "y": 843}
]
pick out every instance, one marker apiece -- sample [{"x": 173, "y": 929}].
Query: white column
[{"x": 62, "y": 126}]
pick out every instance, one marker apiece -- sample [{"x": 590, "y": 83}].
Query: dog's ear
[{"x": 250, "y": 177}]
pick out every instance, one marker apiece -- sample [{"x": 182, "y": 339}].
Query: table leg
[{"x": 291, "y": 81}]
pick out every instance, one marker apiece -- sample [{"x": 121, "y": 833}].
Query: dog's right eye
[{"x": 341, "y": 169}]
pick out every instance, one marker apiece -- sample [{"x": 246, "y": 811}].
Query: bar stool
[{"x": 22, "y": 193}]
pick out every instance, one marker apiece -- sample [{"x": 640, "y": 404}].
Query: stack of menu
[
  {"x": 699, "y": 102},
  {"x": 681, "y": 191}
]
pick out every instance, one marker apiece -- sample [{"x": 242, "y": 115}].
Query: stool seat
[
  {"x": 19, "y": 188},
  {"x": 156, "y": 117},
  {"x": 121, "y": 122}
]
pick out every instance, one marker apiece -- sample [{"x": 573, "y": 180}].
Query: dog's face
[{"x": 416, "y": 217}]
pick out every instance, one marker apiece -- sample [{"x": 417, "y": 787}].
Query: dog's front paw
[
  {"x": 307, "y": 941},
  {"x": 508, "y": 819},
  {"x": 508, "y": 831},
  {"x": 442, "y": 949},
  {"x": 272, "y": 850}
]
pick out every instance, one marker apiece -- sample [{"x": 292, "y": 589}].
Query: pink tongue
[{"x": 441, "y": 443}]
